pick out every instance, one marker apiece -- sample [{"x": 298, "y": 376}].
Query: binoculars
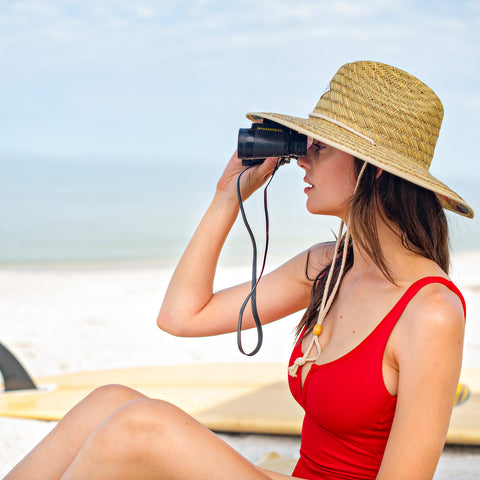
[{"x": 269, "y": 139}]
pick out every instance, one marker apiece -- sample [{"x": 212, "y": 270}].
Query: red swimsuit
[{"x": 348, "y": 410}]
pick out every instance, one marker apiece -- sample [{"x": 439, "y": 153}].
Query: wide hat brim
[{"x": 396, "y": 164}]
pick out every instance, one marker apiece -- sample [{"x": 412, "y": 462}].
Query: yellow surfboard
[{"x": 225, "y": 397}]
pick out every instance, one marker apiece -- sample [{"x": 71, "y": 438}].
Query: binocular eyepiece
[{"x": 269, "y": 139}]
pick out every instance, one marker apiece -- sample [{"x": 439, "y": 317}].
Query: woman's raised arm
[{"x": 190, "y": 307}]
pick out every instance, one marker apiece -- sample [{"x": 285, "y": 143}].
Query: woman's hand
[{"x": 251, "y": 180}]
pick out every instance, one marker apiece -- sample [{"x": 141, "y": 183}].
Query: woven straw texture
[{"x": 384, "y": 116}]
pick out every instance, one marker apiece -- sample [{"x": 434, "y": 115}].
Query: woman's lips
[{"x": 308, "y": 187}]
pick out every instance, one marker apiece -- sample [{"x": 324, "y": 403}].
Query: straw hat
[{"x": 384, "y": 116}]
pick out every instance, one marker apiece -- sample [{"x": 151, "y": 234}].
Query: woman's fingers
[{"x": 250, "y": 181}]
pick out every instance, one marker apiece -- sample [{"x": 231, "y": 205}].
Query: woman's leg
[
  {"x": 152, "y": 439},
  {"x": 52, "y": 456}
]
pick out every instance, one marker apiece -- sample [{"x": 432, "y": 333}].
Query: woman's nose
[{"x": 302, "y": 162}]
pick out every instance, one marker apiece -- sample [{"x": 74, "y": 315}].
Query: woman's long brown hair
[{"x": 414, "y": 210}]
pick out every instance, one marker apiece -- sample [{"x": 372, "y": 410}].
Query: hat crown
[{"x": 391, "y": 107}]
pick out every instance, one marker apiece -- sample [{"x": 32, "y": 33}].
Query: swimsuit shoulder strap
[{"x": 419, "y": 284}]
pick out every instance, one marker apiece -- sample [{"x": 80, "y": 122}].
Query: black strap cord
[{"x": 252, "y": 296}]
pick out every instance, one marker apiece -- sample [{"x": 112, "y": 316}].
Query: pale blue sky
[{"x": 170, "y": 81}]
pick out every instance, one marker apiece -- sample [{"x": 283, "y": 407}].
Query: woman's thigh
[{"x": 148, "y": 438}]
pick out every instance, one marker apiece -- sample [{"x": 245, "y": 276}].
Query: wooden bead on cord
[{"x": 317, "y": 329}]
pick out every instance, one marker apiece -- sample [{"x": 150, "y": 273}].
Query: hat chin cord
[{"x": 327, "y": 299}]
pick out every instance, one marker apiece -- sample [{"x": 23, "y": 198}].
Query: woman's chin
[
  {"x": 313, "y": 207},
  {"x": 317, "y": 210}
]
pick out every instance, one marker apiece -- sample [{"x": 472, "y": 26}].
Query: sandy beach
[{"x": 68, "y": 318}]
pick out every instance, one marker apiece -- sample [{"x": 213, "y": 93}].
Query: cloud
[
  {"x": 94, "y": 75},
  {"x": 102, "y": 29}
]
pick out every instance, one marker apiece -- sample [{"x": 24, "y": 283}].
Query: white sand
[{"x": 66, "y": 319}]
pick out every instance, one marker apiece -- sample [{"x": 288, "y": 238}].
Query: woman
[{"x": 379, "y": 348}]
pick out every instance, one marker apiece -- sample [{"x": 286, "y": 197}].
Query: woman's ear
[{"x": 379, "y": 172}]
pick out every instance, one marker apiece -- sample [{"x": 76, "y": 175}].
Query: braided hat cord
[{"x": 327, "y": 299}]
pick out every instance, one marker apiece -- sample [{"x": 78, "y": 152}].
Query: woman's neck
[{"x": 402, "y": 263}]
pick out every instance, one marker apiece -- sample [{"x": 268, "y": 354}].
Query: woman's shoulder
[
  {"x": 435, "y": 311},
  {"x": 319, "y": 256},
  {"x": 433, "y": 294},
  {"x": 438, "y": 300}
]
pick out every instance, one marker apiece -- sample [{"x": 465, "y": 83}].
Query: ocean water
[{"x": 55, "y": 211}]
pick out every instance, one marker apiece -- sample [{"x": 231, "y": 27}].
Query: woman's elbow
[
  {"x": 176, "y": 323},
  {"x": 168, "y": 324}
]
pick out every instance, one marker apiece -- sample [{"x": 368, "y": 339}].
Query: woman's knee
[
  {"x": 146, "y": 415},
  {"x": 99, "y": 404},
  {"x": 114, "y": 395},
  {"x": 132, "y": 430}
]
